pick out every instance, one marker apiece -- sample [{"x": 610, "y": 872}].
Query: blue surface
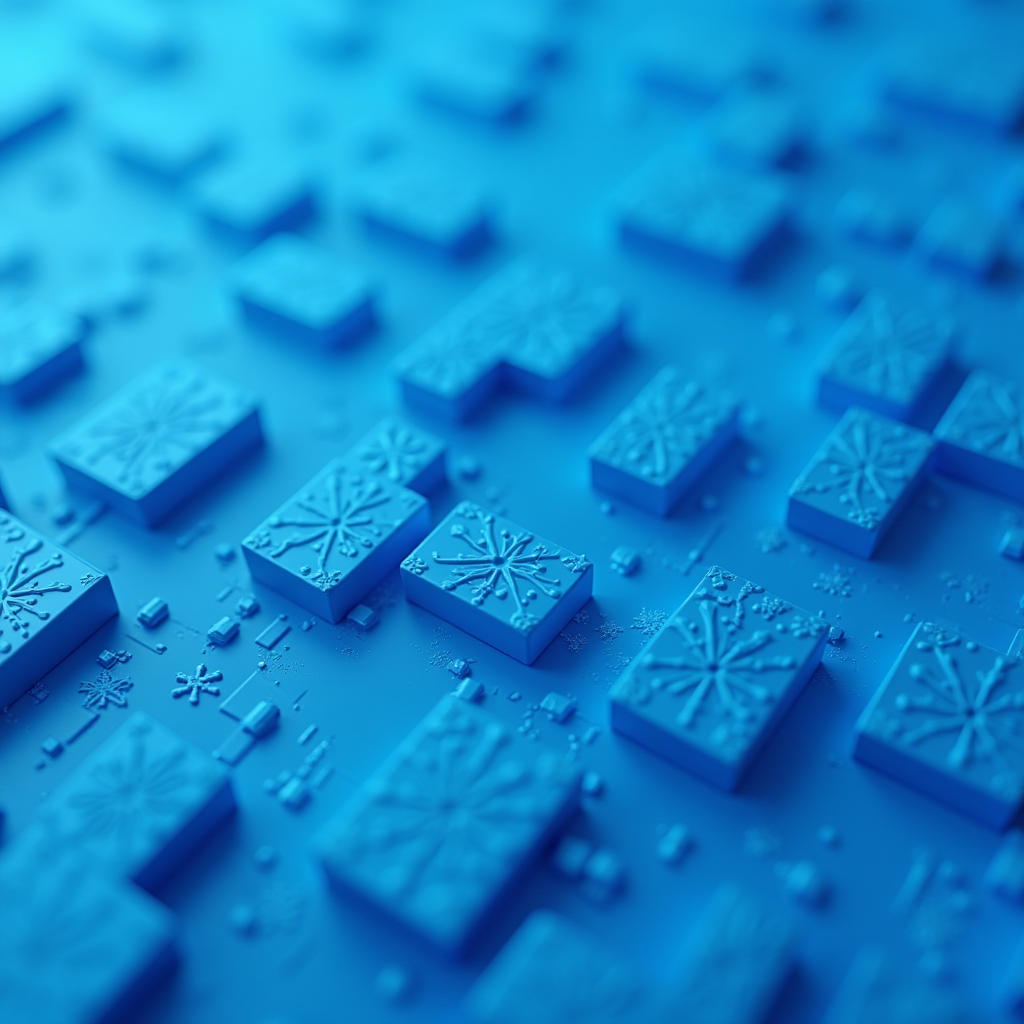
[{"x": 549, "y": 201}]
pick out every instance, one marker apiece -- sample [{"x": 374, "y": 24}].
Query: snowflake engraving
[
  {"x": 989, "y": 419},
  {"x": 105, "y": 689},
  {"x": 395, "y": 451},
  {"x": 199, "y": 683},
  {"x": 503, "y": 564},
  {"x": 649, "y": 621},
  {"x": 24, "y": 586}
]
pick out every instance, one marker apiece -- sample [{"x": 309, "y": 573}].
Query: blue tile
[
  {"x": 962, "y": 237},
  {"x": 949, "y": 720},
  {"x": 468, "y": 80},
  {"x": 435, "y": 210},
  {"x": 676, "y": 60},
  {"x": 878, "y": 988},
  {"x": 885, "y": 358},
  {"x": 552, "y": 970},
  {"x": 854, "y": 488},
  {"x": 500, "y": 583},
  {"x": 981, "y": 436},
  {"x": 712, "y": 685},
  {"x": 79, "y": 946},
  {"x": 295, "y": 288},
  {"x": 141, "y": 803},
  {"x": 159, "y": 440},
  {"x": 735, "y": 963},
  {"x": 248, "y": 198},
  {"x": 872, "y": 216},
  {"x": 402, "y": 454},
  {"x": 41, "y": 347},
  {"x": 659, "y": 445},
  {"x": 50, "y": 602},
  {"x": 714, "y": 218},
  {"x": 449, "y": 824},
  {"x": 539, "y": 330},
  {"x": 758, "y": 128},
  {"x": 336, "y": 539}
]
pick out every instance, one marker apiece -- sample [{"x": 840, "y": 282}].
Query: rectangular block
[
  {"x": 735, "y": 964},
  {"x": 963, "y": 237},
  {"x": 949, "y": 720},
  {"x": 292, "y": 287},
  {"x": 760, "y": 128},
  {"x": 859, "y": 481},
  {"x": 50, "y": 602},
  {"x": 885, "y": 358},
  {"x": 469, "y": 80},
  {"x": 159, "y": 440},
  {"x": 449, "y": 824},
  {"x": 79, "y": 946},
  {"x": 714, "y": 218},
  {"x": 497, "y": 581},
  {"x": 661, "y": 443},
  {"x": 981, "y": 436},
  {"x": 712, "y": 685},
  {"x": 553, "y": 970},
  {"x": 41, "y": 347},
  {"x": 402, "y": 454},
  {"x": 336, "y": 539},
  {"x": 141, "y": 803}
]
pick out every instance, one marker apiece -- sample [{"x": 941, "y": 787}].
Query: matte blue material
[
  {"x": 949, "y": 719},
  {"x": 497, "y": 581},
  {"x": 962, "y": 237},
  {"x": 715, "y": 681},
  {"x": 854, "y": 489},
  {"x": 401, "y": 454},
  {"x": 40, "y": 348},
  {"x": 50, "y": 601},
  {"x": 406, "y": 840}
]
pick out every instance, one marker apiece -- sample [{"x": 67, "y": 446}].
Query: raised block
[
  {"x": 885, "y": 358},
  {"x": 497, "y": 581},
  {"x": 949, "y": 720},
  {"x": 293, "y": 287},
  {"x": 677, "y": 60},
  {"x": 981, "y": 436},
  {"x": 401, "y": 454},
  {"x": 962, "y": 237},
  {"x": 449, "y": 823},
  {"x": 713, "y": 684},
  {"x": 475, "y": 83},
  {"x": 50, "y": 602},
  {"x": 715, "y": 218},
  {"x": 551, "y": 971},
  {"x": 79, "y": 946},
  {"x": 336, "y": 539},
  {"x": 538, "y": 329},
  {"x": 735, "y": 963},
  {"x": 660, "y": 444},
  {"x": 859, "y": 481},
  {"x": 41, "y": 347},
  {"x": 159, "y": 440},
  {"x": 141, "y": 803},
  {"x": 758, "y": 128}
]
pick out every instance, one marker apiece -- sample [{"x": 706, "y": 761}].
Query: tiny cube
[
  {"x": 885, "y": 359},
  {"x": 713, "y": 684},
  {"x": 859, "y": 481},
  {"x": 336, "y": 539},
  {"x": 659, "y": 445},
  {"x": 295, "y": 288},
  {"x": 981, "y": 436},
  {"x": 401, "y": 454},
  {"x": 948, "y": 719},
  {"x": 408, "y": 841},
  {"x": 41, "y": 347},
  {"x": 141, "y": 803},
  {"x": 715, "y": 218},
  {"x": 50, "y": 602},
  {"x": 497, "y": 581},
  {"x": 159, "y": 440}
]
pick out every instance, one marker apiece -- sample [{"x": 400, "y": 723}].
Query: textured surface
[{"x": 794, "y": 203}]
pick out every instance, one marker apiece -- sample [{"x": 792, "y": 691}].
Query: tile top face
[
  {"x": 153, "y": 427},
  {"x": 33, "y": 337},
  {"x": 987, "y": 417}
]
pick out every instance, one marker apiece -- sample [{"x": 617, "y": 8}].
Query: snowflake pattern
[
  {"x": 106, "y": 688},
  {"x": 987, "y": 417},
  {"x": 661, "y": 431},
  {"x": 395, "y": 451},
  {"x": 649, "y": 621},
  {"x": 888, "y": 352},
  {"x": 202, "y": 681},
  {"x": 25, "y": 585},
  {"x": 835, "y": 582}
]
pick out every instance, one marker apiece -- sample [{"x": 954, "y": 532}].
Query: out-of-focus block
[
  {"x": 50, "y": 602},
  {"x": 159, "y": 440},
  {"x": 141, "y": 803},
  {"x": 448, "y": 825},
  {"x": 295, "y": 288},
  {"x": 33, "y": 98},
  {"x": 41, "y": 347},
  {"x": 678, "y": 60},
  {"x": 981, "y": 436},
  {"x": 660, "y": 444},
  {"x": 962, "y": 237},
  {"x": 497, "y": 581},
  {"x": 402, "y": 454},
  {"x": 715, "y": 681},
  {"x": 949, "y": 720},
  {"x": 471, "y": 81},
  {"x": 859, "y": 481},
  {"x": 758, "y": 128},
  {"x": 336, "y": 539}
]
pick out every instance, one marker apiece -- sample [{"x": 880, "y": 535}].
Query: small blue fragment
[
  {"x": 362, "y": 616},
  {"x": 558, "y": 707},
  {"x": 223, "y": 631},
  {"x": 625, "y": 561}
]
